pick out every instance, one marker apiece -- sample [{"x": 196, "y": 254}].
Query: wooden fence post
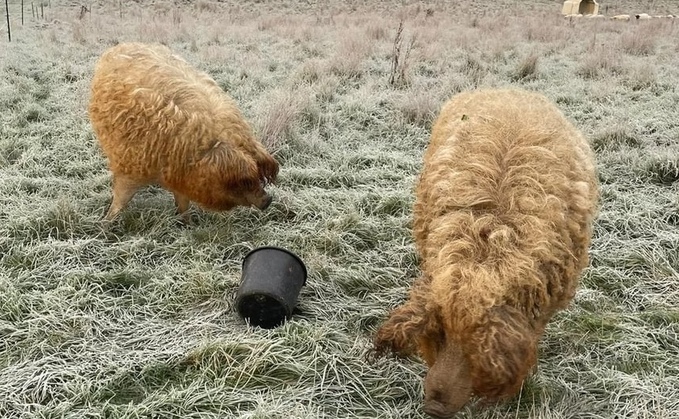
[{"x": 9, "y": 30}]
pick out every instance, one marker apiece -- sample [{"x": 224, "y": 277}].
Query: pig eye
[{"x": 440, "y": 339}]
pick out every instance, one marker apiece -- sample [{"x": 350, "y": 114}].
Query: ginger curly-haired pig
[
  {"x": 161, "y": 121},
  {"x": 502, "y": 224}
]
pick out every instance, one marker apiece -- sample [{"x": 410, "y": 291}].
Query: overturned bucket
[{"x": 271, "y": 281}]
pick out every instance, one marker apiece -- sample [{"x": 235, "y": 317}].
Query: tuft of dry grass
[
  {"x": 419, "y": 106},
  {"x": 613, "y": 138},
  {"x": 473, "y": 69},
  {"x": 600, "y": 62},
  {"x": 349, "y": 59},
  {"x": 544, "y": 28},
  {"x": 376, "y": 30},
  {"x": 311, "y": 71},
  {"x": 400, "y": 58},
  {"x": 204, "y": 6},
  {"x": 642, "y": 76},
  {"x": 527, "y": 68},
  {"x": 637, "y": 42},
  {"x": 280, "y": 117}
]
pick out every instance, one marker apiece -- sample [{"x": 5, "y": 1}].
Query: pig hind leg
[{"x": 183, "y": 202}]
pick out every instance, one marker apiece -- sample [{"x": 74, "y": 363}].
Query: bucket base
[{"x": 262, "y": 310}]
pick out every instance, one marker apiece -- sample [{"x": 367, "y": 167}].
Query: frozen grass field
[{"x": 137, "y": 320}]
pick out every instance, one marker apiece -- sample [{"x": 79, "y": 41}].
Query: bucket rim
[{"x": 257, "y": 249}]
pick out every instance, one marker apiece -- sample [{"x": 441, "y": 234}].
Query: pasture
[{"x": 136, "y": 320}]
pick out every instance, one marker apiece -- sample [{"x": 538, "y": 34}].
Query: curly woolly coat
[
  {"x": 502, "y": 223},
  {"x": 159, "y": 120}
]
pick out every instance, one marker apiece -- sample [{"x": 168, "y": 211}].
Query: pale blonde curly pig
[
  {"x": 502, "y": 223},
  {"x": 161, "y": 121}
]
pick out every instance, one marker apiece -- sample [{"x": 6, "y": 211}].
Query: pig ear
[
  {"x": 409, "y": 324},
  {"x": 267, "y": 167},
  {"x": 502, "y": 349},
  {"x": 235, "y": 168}
]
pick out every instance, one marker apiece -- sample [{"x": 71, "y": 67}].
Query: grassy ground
[{"x": 137, "y": 320}]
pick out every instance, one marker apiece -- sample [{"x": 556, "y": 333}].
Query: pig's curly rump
[{"x": 502, "y": 223}]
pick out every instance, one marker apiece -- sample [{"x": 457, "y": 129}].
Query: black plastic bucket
[{"x": 271, "y": 281}]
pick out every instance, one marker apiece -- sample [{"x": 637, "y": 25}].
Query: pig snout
[
  {"x": 437, "y": 410},
  {"x": 448, "y": 384},
  {"x": 265, "y": 202}
]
